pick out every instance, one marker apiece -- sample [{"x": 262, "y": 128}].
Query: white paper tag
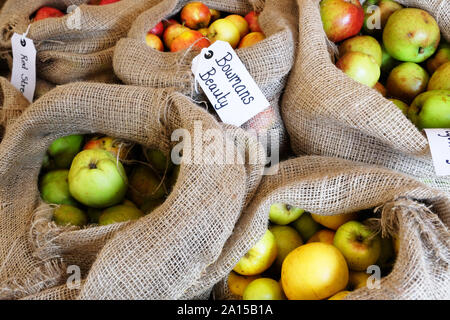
[
  {"x": 439, "y": 140},
  {"x": 228, "y": 85},
  {"x": 24, "y": 65}
]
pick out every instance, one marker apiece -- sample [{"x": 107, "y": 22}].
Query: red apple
[
  {"x": 195, "y": 15},
  {"x": 47, "y": 12},
  {"x": 104, "y": 2},
  {"x": 168, "y": 22},
  {"x": 252, "y": 20},
  {"x": 171, "y": 32},
  {"x": 189, "y": 38},
  {"x": 341, "y": 19},
  {"x": 251, "y": 39},
  {"x": 153, "y": 41},
  {"x": 158, "y": 29}
]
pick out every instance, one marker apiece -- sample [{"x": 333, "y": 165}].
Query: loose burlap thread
[
  {"x": 327, "y": 113},
  {"x": 75, "y": 46},
  {"x": 417, "y": 214}
]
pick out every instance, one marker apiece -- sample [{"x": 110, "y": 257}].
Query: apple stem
[{"x": 92, "y": 165}]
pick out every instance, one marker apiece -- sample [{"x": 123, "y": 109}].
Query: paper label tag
[
  {"x": 439, "y": 140},
  {"x": 24, "y": 65},
  {"x": 228, "y": 85}
]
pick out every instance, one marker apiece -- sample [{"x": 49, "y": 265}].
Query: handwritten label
[
  {"x": 228, "y": 85},
  {"x": 24, "y": 65},
  {"x": 439, "y": 140}
]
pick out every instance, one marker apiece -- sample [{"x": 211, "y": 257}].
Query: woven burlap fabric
[
  {"x": 12, "y": 104},
  {"x": 327, "y": 113},
  {"x": 330, "y": 186},
  {"x": 192, "y": 224},
  {"x": 269, "y": 61},
  {"x": 75, "y": 46}
]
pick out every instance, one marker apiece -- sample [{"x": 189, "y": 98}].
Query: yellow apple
[
  {"x": 237, "y": 283},
  {"x": 240, "y": 23},
  {"x": 340, "y": 295},
  {"x": 357, "y": 279},
  {"x": 224, "y": 30},
  {"x": 259, "y": 258},
  {"x": 334, "y": 222},
  {"x": 251, "y": 39},
  {"x": 153, "y": 41},
  {"x": 264, "y": 289}
]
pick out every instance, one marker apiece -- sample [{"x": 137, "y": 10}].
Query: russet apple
[
  {"x": 411, "y": 35},
  {"x": 250, "y": 39},
  {"x": 407, "y": 81},
  {"x": 364, "y": 44},
  {"x": 69, "y": 215},
  {"x": 224, "y": 30},
  {"x": 442, "y": 56},
  {"x": 172, "y": 31},
  {"x": 325, "y": 236},
  {"x": 385, "y": 8},
  {"x": 253, "y": 21},
  {"x": 341, "y": 19},
  {"x": 334, "y": 221},
  {"x": 360, "y": 67},
  {"x": 47, "y": 12},
  {"x": 119, "y": 213},
  {"x": 431, "y": 109},
  {"x": 237, "y": 283},
  {"x": 259, "y": 258},
  {"x": 195, "y": 15},
  {"x": 144, "y": 184},
  {"x": 240, "y": 23},
  {"x": 287, "y": 239},
  {"x": 440, "y": 80},
  {"x": 151, "y": 204},
  {"x": 283, "y": 214},
  {"x": 153, "y": 41},
  {"x": 97, "y": 179},
  {"x": 380, "y": 88},
  {"x": 159, "y": 161},
  {"x": 189, "y": 38},
  {"x": 306, "y": 226},
  {"x": 263, "y": 289},
  {"x": 314, "y": 271},
  {"x": 54, "y": 187}
]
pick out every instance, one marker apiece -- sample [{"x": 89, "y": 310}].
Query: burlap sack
[
  {"x": 12, "y": 104},
  {"x": 75, "y": 46},
  {"x": 269, "y": 61},
  {"x": 416, "y": 213},
  {"x": 327, "y": 113},
  {"x": 192, "y": 224}
]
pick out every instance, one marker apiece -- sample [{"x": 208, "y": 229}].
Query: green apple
[
  {"x": 159, "y": 161},
  {"x": 62, "y": 151},
  {"x": 151, "y": 204},
  {"x": 97, "y": 179},
  {"x": 440, "y": 80},
  {"x": 287, "y": 239},
  {"x": 69, "y": 215},
  {"x": 54, "y": 188},
  {"x": 401, "y": 105},
  {"x": 263, "y": 289},
  {"x": 375, "y": 21},
  {"x": 119, "y": 213},
  {"x": 360, "y": 67},
  {"x": 387, "y": 254},
  {"x": 442, "y": 56},
  {"x": 364, "y": 44},
  {"x": 387, "y": 62},
  {"x": 359, "y": 245},
  {"x": 259, "y": 258},
  {"x": 407, "y": 81},
  {"x": 431, "y": 109},
  {"x": 144, "y": 185},
  {"x": 283, "y": 214},
  {"x": 306, "y": 226},
  {"x": 411, "y": 35}
]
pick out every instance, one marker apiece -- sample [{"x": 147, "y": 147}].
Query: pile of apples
[
  {"x": 100, "y": 180},
  {"x": 50, "y": 12},
  {"x": 404, "y": 57},
  {"x": 304, "y": 256},
  {"x": 199, "y": 26}
]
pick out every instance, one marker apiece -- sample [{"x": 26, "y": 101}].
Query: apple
[
  {"x": 253, "y": 22},
  {"x": 215, "y": 14},
  {"x": 159, "y": 161},
  {"x": 335, "y": 221},
  {"x": 314, "y": 271},
  {"x": 195, "y": 15},
  {"x": 237, "y": 283},
  {"x": 240, "y": 23},
  {"x": 325, "y": 236},
  {"x": 62, "y": 151},
  {"x": 224, "y": 30},
  {"x": 431, "y": 109},
  {"x": 47, "y": 12},
  {"x": 204, "y": 32},
  {"x": 144, "y": 184},
  {"x": 105, "y": 2},
  {"x": 259, "y": 258},
  {"x": 340, "y": 295},
  {"x": 110, "y": 144},
  {"x": 54, "y": 188},
  {"x": 158, "y": 29},
  {"x": 151, "y": 204},
  {"x": 97, "y": 179},
  {"x": 385, "y": 9},
  {"x": 440, "y": 80},
  {"x": 357, "y": 280},
  {"x": 306, "y": 226},
  {"x": 69, "y": 215},
  {"x": 341, "y": 19},
  {"x": 129, "y": 203},
  {"x": 263, "y": 289},
  {"x": 168, "y": 22},
  {"x": 171, "y": 32},
  {"x": 387, "y": 62},
  {"x": 380, "y": 88},
  {"x": 119, "y": 213},
  {"x": 287, "y": 239},
  {"x": 360, "y": 67},
  {"x": 442, "y": 56},
  {"x": 153, "y": 41},
  {"x": 411, "y": 35},
  {"x": 407, "y": 81},
  {"x": 360, "y": 246},
  {"x": 189, "y": 38},
  {"x": 283, "y": 214},
  {"x": 250, "y": 39},
  {"x": 364, "y": 44},
  {"x": 401, "y": 105},
  {"x": 387, "y": 254}
]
